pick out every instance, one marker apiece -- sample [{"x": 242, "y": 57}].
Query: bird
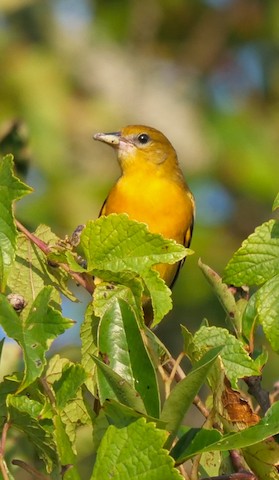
[{"x": 151, "y": 188}]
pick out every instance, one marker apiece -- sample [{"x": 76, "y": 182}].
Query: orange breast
[{"x": 165, "y": 206}]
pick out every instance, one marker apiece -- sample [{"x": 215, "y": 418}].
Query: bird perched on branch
[{"x": 151, "y": 188}]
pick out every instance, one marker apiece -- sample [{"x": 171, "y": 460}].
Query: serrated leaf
[
  {"x": 134, "y": 452},
  {"x": 122, "y": 343},
  {"x": 113, "y": 386},
  {"x": 183, "y": 394},
  {"x": 207, "y": 440},
  {"x": 72, "y": 377},
  {"x": 74, "y": 412},
  {"x": 263, "y": 309},
  {"x": 237, "y": 362},
  {"x": 74, "y": 415},
  {"x": 129, "y": 288},
  {"x": 257, "y": 260},
  {"x": 11, "y": 189},
  {"x": 275, "y": 203},
  {"x": 31, "y": 271},
  {"x": 34, "y": 334},
  {"x": 7, "y": 386},
  {"x": 188, "y": 341},
  {"x": 66, "y": 455},
  {"x": 23, "y": 415},
  {"x": 114, "y": 243},
  {"x": 160, "y": 295}
]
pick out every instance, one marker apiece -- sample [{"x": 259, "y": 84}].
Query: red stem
[{"x": 81, "y": 279}]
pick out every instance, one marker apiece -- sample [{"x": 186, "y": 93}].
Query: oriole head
[{"x": 138, "y": 144}]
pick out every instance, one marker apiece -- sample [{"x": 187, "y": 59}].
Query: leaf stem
[
  {"x": 33, "y": 472},
  {"x": 173, "y": 373},
  {"x": 81, "y": 279}
]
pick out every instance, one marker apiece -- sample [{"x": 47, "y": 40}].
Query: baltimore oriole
[{"x": 151, "y": 188}]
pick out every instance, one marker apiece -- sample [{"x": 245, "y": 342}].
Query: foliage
[{"x": 141, "y": 394}]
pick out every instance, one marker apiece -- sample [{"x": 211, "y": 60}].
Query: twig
[
  {"x": 255, "y": 389},
  {"x": 195, "y": 467},
  {"x": 173, "y": 373},
  {"x": 237, "y": 463},
  {"x": 3, "y": 438},
  {"x": 183, "y": 472},
  {"x": 234, "y": 476},
  {"x": 33, "y": 472},
  {"x": 47, "y": 390},
  {"x": 180, "y": 375},
  {"x": 44, "y": 247},
  {"x": 3, "y": 467}
]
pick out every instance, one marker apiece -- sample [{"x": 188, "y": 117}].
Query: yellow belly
[{"x": 166, "y": 207}]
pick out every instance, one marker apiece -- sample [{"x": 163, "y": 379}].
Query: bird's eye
[{"x": 143, "y": 138}]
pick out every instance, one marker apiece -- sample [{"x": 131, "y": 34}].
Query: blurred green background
[{"x": 205, "y": 72}]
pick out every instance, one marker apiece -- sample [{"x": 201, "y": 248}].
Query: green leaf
[
  {"x": 128, "y": 287},
  {"x": 23, "y": 414},
  {"x": 31, "y": 271},
  {"x": 74, "y": 411},
  {"x": 210, "y": 464},
  {"x": 1, "y": 347},
  {"x": 120, "y": 415},
  {"x": 75, "y": 414},
  {"x": 89, "y": 348},
  {"x": 100, "y": 425},
  {"x": 207, "y": 440},
  {"x": 134, "y": 452},
  {"x": 36, "y": 333},
  {"x": 122, "y": 344},
  {"x": 115, "y": 244},
  {"x": 195, "y": 440},
  {"x": 276, "y": 203},
  {"x": 224, "y": 295},
  {"x": 183, "y": 394},
  {"x": 257, "y": 260},
  {"x": 73, "y": 376},
  {"x": 113, "y": 386},
  {"x": 11, "y": 189},
  {"x": 64, "y": 448},
  {"x": 263, "y": 459},
  {"x": 160, "y": 295},
  {"x": 236, "y": 361},
  {"x": 263, "y": 308}
]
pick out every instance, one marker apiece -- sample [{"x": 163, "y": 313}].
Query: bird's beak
[{"x": 112, "y": 139}]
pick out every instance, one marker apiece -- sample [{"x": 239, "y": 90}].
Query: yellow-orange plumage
[{"x": 151, "y": 188}]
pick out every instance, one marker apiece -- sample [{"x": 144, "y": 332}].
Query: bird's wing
[{"x": 187, "y": 242}]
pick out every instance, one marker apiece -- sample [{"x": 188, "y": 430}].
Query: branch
[
  {"x": 234, "y": 476},
  {"x": 33, "y": 472},
  {"x": 255, "y": 389},
  {"x": 3, "y": 467},
  {"x": 81, "y": 279}
]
